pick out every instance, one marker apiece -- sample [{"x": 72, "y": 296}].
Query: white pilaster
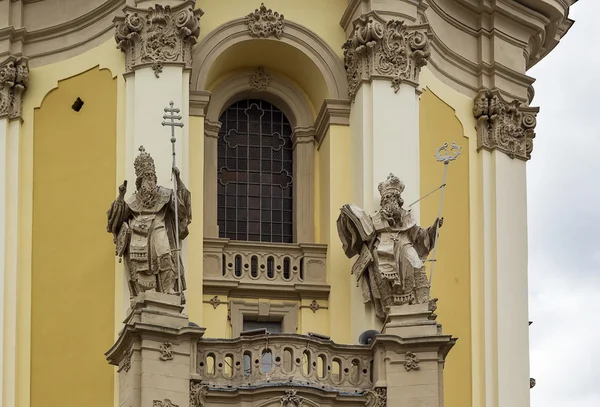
[
  {"x": 3, "y": 173},
  {"x": 505, "y": 280}
]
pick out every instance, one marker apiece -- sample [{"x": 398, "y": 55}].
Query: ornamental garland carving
[
  {"x": 260, "y": 80},
  {"x": 411, "y": 362},
  {"x": 265, "y": 22},
  {"x": 166, "y": 351},
  {"x": 387, "y": 49},
  {"x": 157, "y": 36},
  {"x": 14, "y": 77},
  {"x": 505, "y": 126},
  {"x": 198, "y": 392},
  {"x": 376, "y": 397},
  {"x": 164, "y": 403}
]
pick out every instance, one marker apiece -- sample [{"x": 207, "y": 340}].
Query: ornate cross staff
[
  {"x": 445, "y": 155},
  {"x": 171, "y": 114}
]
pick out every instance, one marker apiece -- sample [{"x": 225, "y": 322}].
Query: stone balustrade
[
  {"x": 228, "y": 262},
  {"x": 284, "y": 358}
]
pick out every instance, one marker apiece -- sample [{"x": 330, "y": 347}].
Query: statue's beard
[
  {"x": 392, "y": 211},
  {"x": 147, "y": 194}
]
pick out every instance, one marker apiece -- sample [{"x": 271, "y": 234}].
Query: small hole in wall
[{"x": 77, "y": 105}]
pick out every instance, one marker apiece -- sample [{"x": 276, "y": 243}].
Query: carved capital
[
  {"x": 505, "y": 126},
  {"x": 388, "y": 49},
  {"x": 14, "y": 77},
  {"x": 158, "y": 36},
  {"x": 265, "y": 22}
]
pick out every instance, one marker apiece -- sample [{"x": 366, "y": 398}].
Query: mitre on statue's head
[
  {"x": 143, "y": 162},
  {"x": 391, "y": 184}
]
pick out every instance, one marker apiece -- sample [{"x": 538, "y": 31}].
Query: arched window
[{"x": 255, "y": 173}]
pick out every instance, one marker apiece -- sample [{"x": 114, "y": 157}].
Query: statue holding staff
[{"x": 145, "y": 229}]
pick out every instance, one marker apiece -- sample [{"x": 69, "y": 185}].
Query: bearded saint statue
[
  {"x": 143, "y": 227},
  {"x": 392, "y": 250}
]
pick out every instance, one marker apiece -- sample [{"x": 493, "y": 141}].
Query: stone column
[
  {"x": 383, "y": 59},
  {"x": 14, "y": 73},
  {"x": 155, "y": 353},
  {"x": 505, "y": 132},
  {"x": 157, "y": 43}
]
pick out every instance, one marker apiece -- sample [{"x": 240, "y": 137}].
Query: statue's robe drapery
[
  {"x": 390, "y": 267},
  {"x": 150, "y": 247}
]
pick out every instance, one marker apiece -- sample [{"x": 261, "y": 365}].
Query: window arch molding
[{"x": 290, "y": 99}]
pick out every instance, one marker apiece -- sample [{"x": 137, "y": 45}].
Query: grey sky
[{"x": 563, "y": 202}]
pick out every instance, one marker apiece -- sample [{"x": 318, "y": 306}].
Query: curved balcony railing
[
  {"x": 264, "y": 263},
  {"x": 284, "y": 358}
]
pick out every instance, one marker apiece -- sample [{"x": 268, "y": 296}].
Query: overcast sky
[{"x": 564, "y": 214}]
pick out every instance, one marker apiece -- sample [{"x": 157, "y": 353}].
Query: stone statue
[
  {"x": 144, "y": 229},
  {"x": 392, "y": 250}
]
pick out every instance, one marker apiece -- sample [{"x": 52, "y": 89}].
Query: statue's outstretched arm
[{"x": 118, "y": 212}]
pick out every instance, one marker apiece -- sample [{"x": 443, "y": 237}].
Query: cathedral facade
[{"x": 284, "y": 112}]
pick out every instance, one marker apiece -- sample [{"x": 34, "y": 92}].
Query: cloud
[{"x": 563, "y": 220}]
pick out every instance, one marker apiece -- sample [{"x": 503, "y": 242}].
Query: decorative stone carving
[
  {"x": 164, "y": 403},
  {"x": 260, "y": 80},
  {"x": 376, "y": 397},
  {"x": 127, "y": 361},
  {"x": 314, "y": 306},
  {"x": 215, "y": 301},
  {"x": 291, "y": 399},
  {"x": 505, "y": 126},
  {"x": 264, "y": 23},
  {"x": 143, "y": 229},
  {"x": 391, "y": 248},
  {"x": 411, "y": 362},
  {"x": 387, "y": 49},
  {"x": 14, "y": 78},
  {"x": 166, "y": 351},
  {"x": 157, "y": 36},
  {"x": 198, "y": 392}
]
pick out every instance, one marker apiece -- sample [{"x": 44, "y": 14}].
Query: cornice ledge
[
  {"x": 199, "y": 100},
  {"x": 506, "y": 126},
  {"x": 333, "y": 111},
  {"x": 137, "y": 36},
  {"x": 352, "y": 9},
  {"x": 14, "y": 78}
]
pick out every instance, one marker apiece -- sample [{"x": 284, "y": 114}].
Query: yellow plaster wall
[
  {"x": 72, "y": 276},
  {"x": 321, "y": 17},
  {"x": 451, "y": 283},
  {"x": 335, "y": 190}
]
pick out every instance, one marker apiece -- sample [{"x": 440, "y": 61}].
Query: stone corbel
[
  {"x": 385, "y": 49},
  {"x": 14, "y": 77},
  {"x": 158, "y": 36},
  {"x": 505, "y": 126}
]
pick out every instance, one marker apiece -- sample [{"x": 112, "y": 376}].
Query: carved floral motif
[
  {"x": 376, "y": 397},
  {"x": 386, "y": 49},
  {"x": 198, "y": 392},
  {"x": 505, "y": 126},
  {"x": 314, "y": 306},
  {"x": 291, "y": 399},
  {"x": 166, "y": 351},
  {"x": 260, "y": 80},
  {"x": 264, "y": 23},
  {"x": 164, "y": 403},
  {"x": 215, "y": 301},
  {"x": 411, "y": 362},
  {"x": 157, "y": 36},
  {"x": 14, "y": 77},
  {"x": 127, "y": 361}
]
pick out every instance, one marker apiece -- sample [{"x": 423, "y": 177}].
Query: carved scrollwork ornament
[
  {"x": 388, "y": 49},
  {"x": 263, "y": 23},
  {"x": 157, "y": 36},
  {"x": 260, "y": 80},
  {"x": 376, "y": 397},
  {"x": 411, "y": 362},
  {"x": 505, "y": 126},
  {"x": 127, "y": 361},
  {"x": 166, "y": 351},
  {"x": 14, "y": 78},
  {"x": 198, "y": 393},
  {"x": 291, "y": 399},
  {"x": 163, "y": 403}
]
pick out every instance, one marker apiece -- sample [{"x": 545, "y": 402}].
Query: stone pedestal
[
  {"x": 409, "y": 357},
  {"x": 155, "y": 353}
]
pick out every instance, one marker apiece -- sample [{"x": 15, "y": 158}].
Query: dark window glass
[{"x": 255, "y": 173}]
